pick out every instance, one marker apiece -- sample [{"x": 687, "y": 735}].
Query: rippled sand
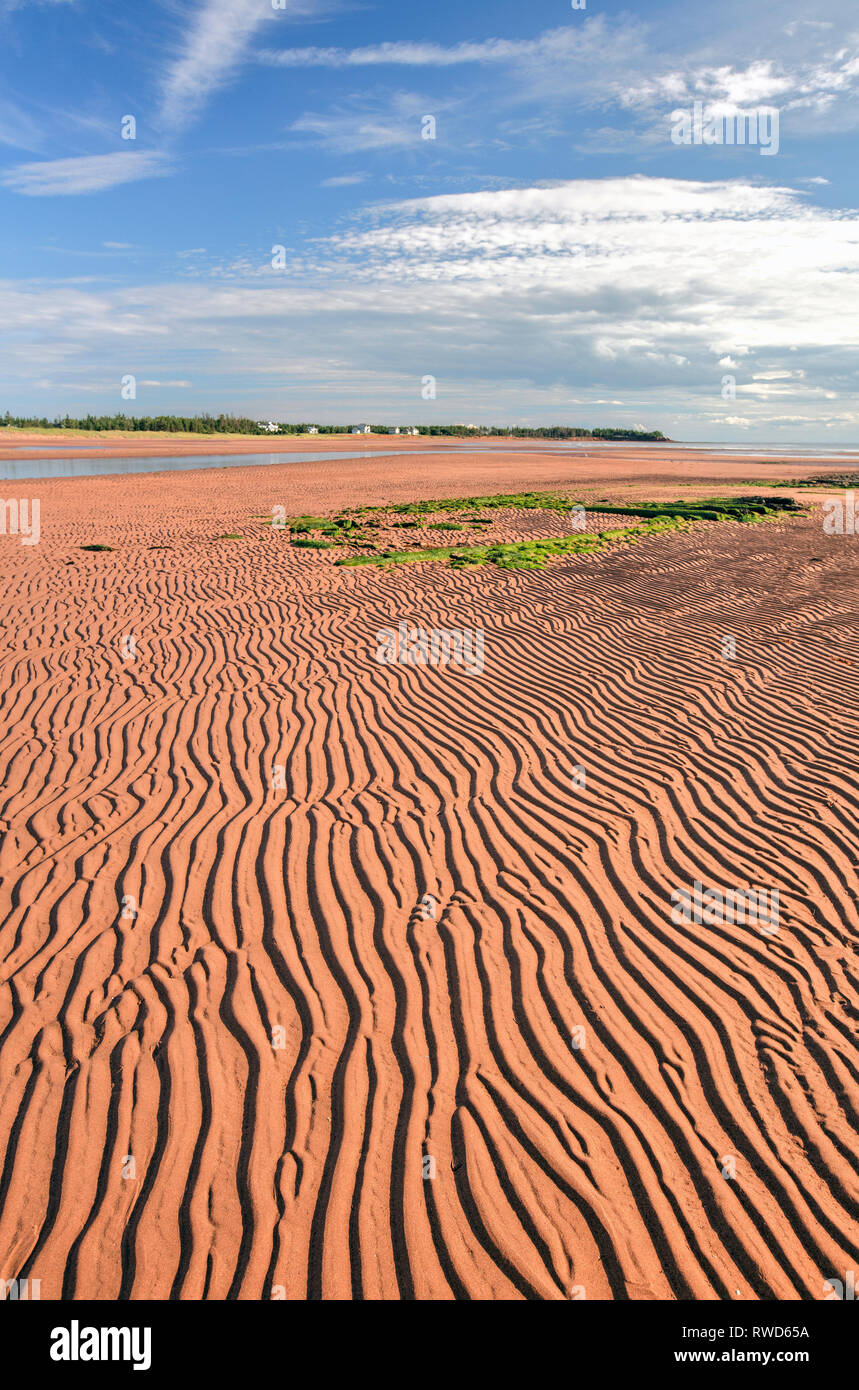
[{"x": 233, "y": 1028}]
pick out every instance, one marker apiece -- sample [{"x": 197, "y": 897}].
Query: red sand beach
[{"x": 233, "y": 1031}]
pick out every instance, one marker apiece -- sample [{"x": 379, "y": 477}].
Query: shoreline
[{"x": 611, "y": 463}]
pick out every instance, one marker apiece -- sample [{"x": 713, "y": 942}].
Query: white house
[
  {"x": 393, "y": 429},
  {"x": 269, "y": 426},
  {"x": 411, "y": 429},
  {"x": 311, "y": 429}
]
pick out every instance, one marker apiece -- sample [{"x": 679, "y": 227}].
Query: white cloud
[
  {"x": 557, "y": 298},
  {"x": 343, "y": 180},
  {"x": 347, "y": 134},
  {"x": 420, "y": 54},
  {"x": 213, "y": 46},
  {"x": 368, "y": 123},
  {"x": 84, "y": 174},
  {"x": 619, "y": 62}
]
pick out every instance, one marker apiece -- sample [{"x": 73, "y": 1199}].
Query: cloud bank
[{"x": 521, "y": 302}]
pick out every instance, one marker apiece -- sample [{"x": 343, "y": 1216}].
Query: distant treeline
[
  {"x": 173, "y": 424},
  {"x": 238, "y": 424},
  {"x": 541, "y": 432}
]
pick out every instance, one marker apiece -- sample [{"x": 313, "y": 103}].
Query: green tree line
[{"x": 239, "y": 424}]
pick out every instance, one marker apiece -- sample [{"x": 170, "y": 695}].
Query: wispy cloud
[
  {"x": 17, "y": 128},
  {"x": 370, "y": 122},
  {"x": 419, "y": 54},
  {"x": 86, "y": 174},
  {"x": 343, "y": 180},
  {"x": 214, "y": 45},
  {"x": 347, "y": 134},
  {"x": 619, "y": 63}
]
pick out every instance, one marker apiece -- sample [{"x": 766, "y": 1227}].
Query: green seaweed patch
[
  {"x": 95, "y": 547},
  {"x": 708, "y": 509},
  {"x": 341, "y": 528},
  {"x": 745, "y": 509},
  {"x": 302, "y": 528},
  {"x": 515, "y": 555},
  {"x": 655, "y": 517},
  {"x": 546, "y": 501},
  {"x": 231, "y": 536},
  {"x": 523, "y": 555},
  {"x": 400, "y": 557},
  {"x": 828, "y": 480},
  {"x": 313, "y": 543}
]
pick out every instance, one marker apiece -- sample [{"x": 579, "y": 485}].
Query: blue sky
[{"x": 552, "y": 255}]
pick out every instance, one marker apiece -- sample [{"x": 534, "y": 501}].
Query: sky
[{"x": 488, "y": 213}]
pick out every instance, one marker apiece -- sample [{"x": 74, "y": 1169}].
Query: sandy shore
[
  {"x": 234, "y": 1028},
  {"x": 595, "y": 458}
]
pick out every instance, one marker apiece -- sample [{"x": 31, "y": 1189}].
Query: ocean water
[
  {"x": 67, "y": 465},
  {"x": 70, "y": 467}
]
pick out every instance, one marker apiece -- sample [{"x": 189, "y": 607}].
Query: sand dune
[{"x": 279, "y": 923}]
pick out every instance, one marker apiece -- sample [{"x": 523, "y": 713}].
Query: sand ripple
[{"x": 168, "y": 914}]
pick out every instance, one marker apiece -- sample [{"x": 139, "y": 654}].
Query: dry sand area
[{"x": 233, "y": 1030}]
